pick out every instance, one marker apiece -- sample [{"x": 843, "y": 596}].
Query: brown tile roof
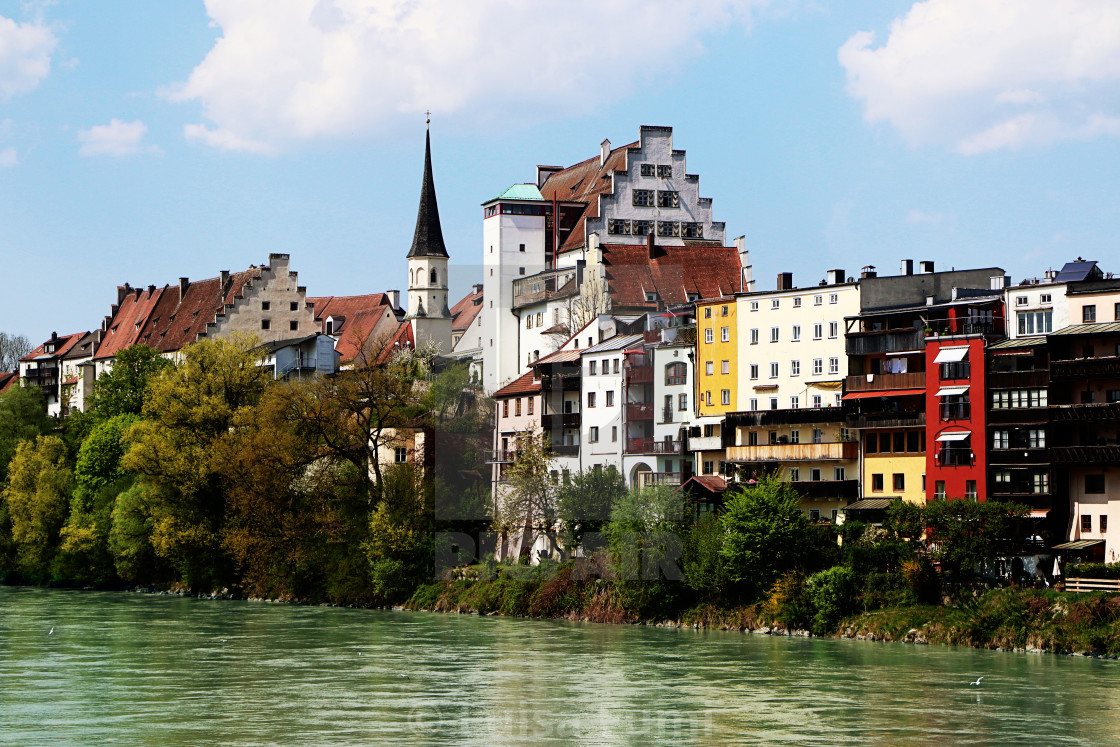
[
  {"x": 523, "y": 385},
  {"x": 356, "y": 319},
  {"x": 674, "y": 273},
  {"x": 584, "y": 182},
  {"x": 63, "y": 345},
  {"x": 159, "y": 318},
  {"x": 402, "y": 338},
  {"x": 8, "y": 380},
  {"x": 464, "y": 312}
]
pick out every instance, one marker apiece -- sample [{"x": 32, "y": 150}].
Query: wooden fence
[{"x": 1092, "y": 584}]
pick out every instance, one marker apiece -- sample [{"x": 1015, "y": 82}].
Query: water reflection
[{"x": 165, "y": 670}]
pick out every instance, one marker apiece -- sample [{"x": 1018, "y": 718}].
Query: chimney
[
  {"x": 122, "y": 291},
  {"x": 785, "y": 281},
  {"x": 927, "y": 267},
  {"x": 151, "y": 289},
  {"x": 184, "y": 283},
  {"x": 907, "y": 267},
  {"x": 394, "y": 298},
  {"x": 650, "y": 245},
  {"x": 54, "y": 337},
  {"x": 835, "y": 277},
  {"x": 869, "y": 272},
  {"x": 224, "y": 279},
  {"x": 604, "y": 151}
]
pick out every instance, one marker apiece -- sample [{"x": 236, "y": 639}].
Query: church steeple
[{"x": 427, "y": 241}]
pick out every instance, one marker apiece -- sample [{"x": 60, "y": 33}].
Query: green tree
[
  {"x": 526, "y": 507},
  {"x": 645, "y": 531},
  {"x": 23, "y": 416},
  {"x": 584, "y": 503},
  {"x": 38, "y": 500},
  {"x": 704, "y": 570},
  {"x": 767, "y": 535},
  {"x": 120, "y": 390},
  {"x": 964, "y": 535}
]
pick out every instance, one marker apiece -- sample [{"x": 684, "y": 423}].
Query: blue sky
[{"x": 142, "y": 142}]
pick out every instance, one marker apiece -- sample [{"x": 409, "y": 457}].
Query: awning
[
  {"x": 951, "y": 355},
  {"x": 883, "y": 393},
  {"x": 1039, "y": 513},
  {"x": 868, "y": 504},
  {"x": 954, "y": 436},
  {"x": 951, "y": 391},
  {"x": 1078, "y": 545}
]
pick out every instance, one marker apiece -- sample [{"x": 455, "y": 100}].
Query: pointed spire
[{"x": 428, "y": 239}]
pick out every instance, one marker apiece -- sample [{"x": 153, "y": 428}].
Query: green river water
[{"x": 124, "y": 668}]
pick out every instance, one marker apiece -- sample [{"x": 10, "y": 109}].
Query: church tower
[{"x": 428, "y": 312}]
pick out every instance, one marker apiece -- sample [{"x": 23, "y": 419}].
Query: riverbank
[{"x": 1009, "y": 619}]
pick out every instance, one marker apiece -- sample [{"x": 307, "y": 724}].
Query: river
[{"x": 131, "y": 668}]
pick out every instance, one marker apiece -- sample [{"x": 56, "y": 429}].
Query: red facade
[{"x": 956, "y": 391}]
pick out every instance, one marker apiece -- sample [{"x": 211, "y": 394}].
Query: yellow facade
[
  {"x": 717, "y": 357},
  {"x": 911, "y": 467}
]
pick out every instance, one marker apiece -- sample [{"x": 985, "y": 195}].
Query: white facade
[
  {"x": 602, "y": 427},
  {"x": 1036, "y": 309},
  {"x": 672, "y": 402},
  {"x": 427, "y": 301}
]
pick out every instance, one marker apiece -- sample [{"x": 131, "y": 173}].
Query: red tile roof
[
  {"x": 402, "y": 338},
  {"x": 523, "y": 385},
  {"x": 584, "y": 182},
  {"x": 674, "y": 273},
  {"x": 63, "y": 344},
  {"x": 356, "y": 319},
  {"x": 464, "y": 312},
  {"x": 7, "y": 381}
]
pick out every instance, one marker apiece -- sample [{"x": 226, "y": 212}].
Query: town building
[{"x": 43, "y": 368}]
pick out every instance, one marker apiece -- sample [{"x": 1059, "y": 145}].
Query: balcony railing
[
  {"x": 42, "y": 373},
  {"x": 667, "y": 415},
  {"x": 955, "y": 410},
  {"x": 501, "y": 456},
  {"x": 1085, "y": 367},
  {"x": 543, "y": 286},
  {"x": 1087, "y": 454},
  {"x": 568, "y": 381},
  {"x": 958, "y": 327},
  {"x": 827, "y": 489},
  {"x": 836, "y": 450},
  {"x": 879, "y": 382},
  {"x": 955, "y": 457},
  {"x": 643, "y": 375},
  {"x": 886, "y": 341},
  {"x": 705, "y": 443},
  {"x": 1101, "y": 411},
  {"x": 1017, "y": 379},
  {"x": 798, "y": 416},
  {"x": 639, "y": 411},
  {"x": 557, "y": 420},
  {"x": 652, "y": 446},
  {"x": 887, "y": 420},
  {"x": 649, "y": 479},
  {"x": 564, "y": 450}
]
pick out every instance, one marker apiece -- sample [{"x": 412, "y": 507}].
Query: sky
[{"x": 143, "y": 142}]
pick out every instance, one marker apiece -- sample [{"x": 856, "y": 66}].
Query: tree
[
  {"x": 592, "y": 300},
  {"x": 767, "y": 534},
  {"x": 965, "y": 534},
  {"x": 120, "y": 390},
  {"x": 527, "y": 504},
  {"x": 584, "y": 504},
  {"x": 38, "y": 500},
  {"x": 12, "y": 349},
  {"x": 23, "y": 416}
]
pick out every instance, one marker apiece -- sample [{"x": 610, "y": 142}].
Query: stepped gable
[
  {"x": 170, "y": 317},
  {"x": 584, "y": 182},
  {"x": 356, "y": 318},
  {"x": 464, "y": 313},
  {"x": 673, "y": 273}
]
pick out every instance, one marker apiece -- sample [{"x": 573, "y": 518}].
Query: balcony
[
  {"x": 705, "y": 443},
  {"x": 880, "y": 382},
  {"x": 643, "y": 375},
  {"x": 558, "y": 420},
  {"x": 561, "y": 381},
  {"x": 650, "y": 479},
  {"x": 955, "y": 410},
  {"x": 799, "y": 416},
  {"x": 1019, "y": 455},
  {"x": 961, "y": 327},
  {"x": 501, "y": 456},
  {"x": 1018, "y": 415},
  {"x": 543, "y": 286},
  {"x": 836, "y": 450},
  {"x": 667, "y": 415},
  {"x": 887, "y": 420},
  {"x": 955, "y": 457},
  {"x": 1085, "y": 368},
  {"x": 1107, "y": 454},
  {"x": 885, "y": 341},
  {"x": 42, "y": 373},
  {"x": 844, "y": 490},
  {"x": 1102, "y": 411},
  {"x": 639, "y": 411},
  {"x": 1018, "y": 379},
  {"x": 564, "y": 450},
  {"x": 652, "y": 446}
]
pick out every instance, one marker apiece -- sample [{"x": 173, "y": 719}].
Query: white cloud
[
  {"x": 304, "y": 69},
  {"x": 25, "y": 56},
  {"x": 8, "y": 158},
  {"x": 115, "y": 139},
  {"x": 981, "y": 75},
  {"x": 918, "y": 216}
]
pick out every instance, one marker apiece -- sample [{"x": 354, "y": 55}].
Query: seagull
[
  {"x": 977, "y": 682},
  {"x": 404, "y": 675},
  {"x": 51, "y": 632}
]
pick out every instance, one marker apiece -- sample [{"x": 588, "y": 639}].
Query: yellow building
[
  {"x": 717, "y": 356},
  {"x": 894, "y": 465}
]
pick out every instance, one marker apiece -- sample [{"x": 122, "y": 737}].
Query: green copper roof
[{"x": 519, "y": 192}]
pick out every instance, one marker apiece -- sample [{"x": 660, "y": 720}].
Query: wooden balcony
[
  {"x": 1078, "y": 413},
  {"x": 881, "y": 382},
  {"x": 639, "y": 411},
  {"x": 1086, "y": 368},
  {"x": 652, "y": 446},
  {"x": 643, "y": 375},
  {"x": 837, "y": 450},
  {"x": 887, "y": 420},
  {"x": 649, "y": 479},
  {"x": 1109, "y": 454},
  {"x": 1018, "y": 379},
  {"x": 886, "y": 341},
  {"x": 561, "y": 381}
]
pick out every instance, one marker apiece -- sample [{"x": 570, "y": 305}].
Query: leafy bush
[
  {"x": 1094, "y": 570},
  {"x": 789, "y": 602},
  {"x": 832, "y": 594}
]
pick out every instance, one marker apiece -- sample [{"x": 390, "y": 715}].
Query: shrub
[
  {"x": 789, "y": 602},
  {"x": 832, "y": 593},
  {"x": 1094, "y": 570}
]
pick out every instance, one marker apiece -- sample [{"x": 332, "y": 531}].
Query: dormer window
[{"x": 651, "y": 297}]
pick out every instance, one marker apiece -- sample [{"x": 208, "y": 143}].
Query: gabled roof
[
  {"x": 673, "y": 274},
  {"x": 525, "y": 384},
  {"x": 584, "y": 182},
  {"x": 63, "y": 345},
  {"x": 356, "y": 319},
  {"x": 560, "y": 356},
  {"x": 464, "y": 312},
  {"x": 618, "y": 342},
  {"x": 83, "y": 348},
  {"x": 427, "y": 240}
]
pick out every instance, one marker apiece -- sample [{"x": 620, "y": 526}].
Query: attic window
[
  {"x": 651, "y": 297},
  {"x": 664, "y": 171},
  {"x": 648, "y": 169},
  {"x": 330, "y": 326}
]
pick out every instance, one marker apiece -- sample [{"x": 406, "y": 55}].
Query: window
[
  {"x": 505, "y": 408},
  {"x": 618, "y": 226},
  {"x": 668, "y": 199},
  {"x": 725, "y": 367},
  {"x": 833, "y": 330},
  {"x": 708, "y": 397},
  {"x": 1002, "y": 476},
  {"x": 754, "y": 305},
  {"x": 1086, "y": 523},
  {"x": 1036, "y": 438},
  {"x": 593, "y": 434},
  {"x": 682, "y": 402},
  {"x": 265, "y": 305},
  {"x": 614, "y": 434},
  {"x": 1094, "y": 484},
  {"x": 606, "y": 366},
  {"x": 725, "y": 397},
  {"x": 797, "y": 302},
  {"x": 708, "y": 334},
  {"x": 1044, "y": 298},
  {"x": 795, "y": 368},
  {"x": 707, "y": 312},
  {"x": 818, "y": 435},
  {"x": 939, "y": 489},
  {"x": 668, "y": 228},
  {"x": 692, "y": 230},
  {"x": 709, "y": 467},
  {"x": 814, "y": 515},
  {"x": 675, "y": 373},
  {"x": 1018, "y": 398},
  {"x": 816, "y": 400},
  {"x": 773, "y": 403},
  {"x": 838, "y": 473},
  {"x": 1116, "y": 312},
  {"x": 970, "y": 489},
  {"x": 610, "y": 398},
  {"x": 725, "y": 334},
  {"x": 293, "y": 306},
  {"x": 293, "y": 325},
  {"x": 1103, "y": 524},
  {"x": 530, "y": 405},
  {"x": 664, "y": 171},
  {"x": 834, "y": 365},
  {"x": 592, "y": 367},
  {"x": 723, "y": 311},
  {"x": 815, "y": 474},
  {"x": 643, "y": 198},
  {"x": 1035, "y": 322},
  {"x": 529, "y": 321},
  {"x": 648, "y": 169},
  {"x": 899, "y": 481},
  {"x": 818, "y": 366},
  {"x": 709, "y": 368},
  {"x": 818, "y": 331},
  {"x": 773, "y": 370},
  {"x": 833, "y": 298},
  {"x": 1040, "y": 483},
  {"x": 754, "y": 336},
  {"x": 517, "y": 407},
  {"x": 1000, "y": 439},
  {"x": 794, "y": 402},
  {"x": 616, "y": 367},
  {"x": 266, "y": 324},
  {"x": 773, "y": 334},
  {"x": 400, "y": 455},
  {"x": 641, "y": 227},
  {"x": 794, "y": 474},
  {"x": 540, "y": 318},
  {"x": 795, "y": 333},
  {"x": 520, "y": 270},
  {"x": 775, "y": 303},
  {"x": 773, "y": 437},
  {"x": 754, "y": 403},
  {"x": 795, "y": 437},
  {"x": 817, "y": 300},
  {"x": 591, "y": 399}
]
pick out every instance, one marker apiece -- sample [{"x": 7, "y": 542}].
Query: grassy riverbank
[{"x": 1008, "y": 618}]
